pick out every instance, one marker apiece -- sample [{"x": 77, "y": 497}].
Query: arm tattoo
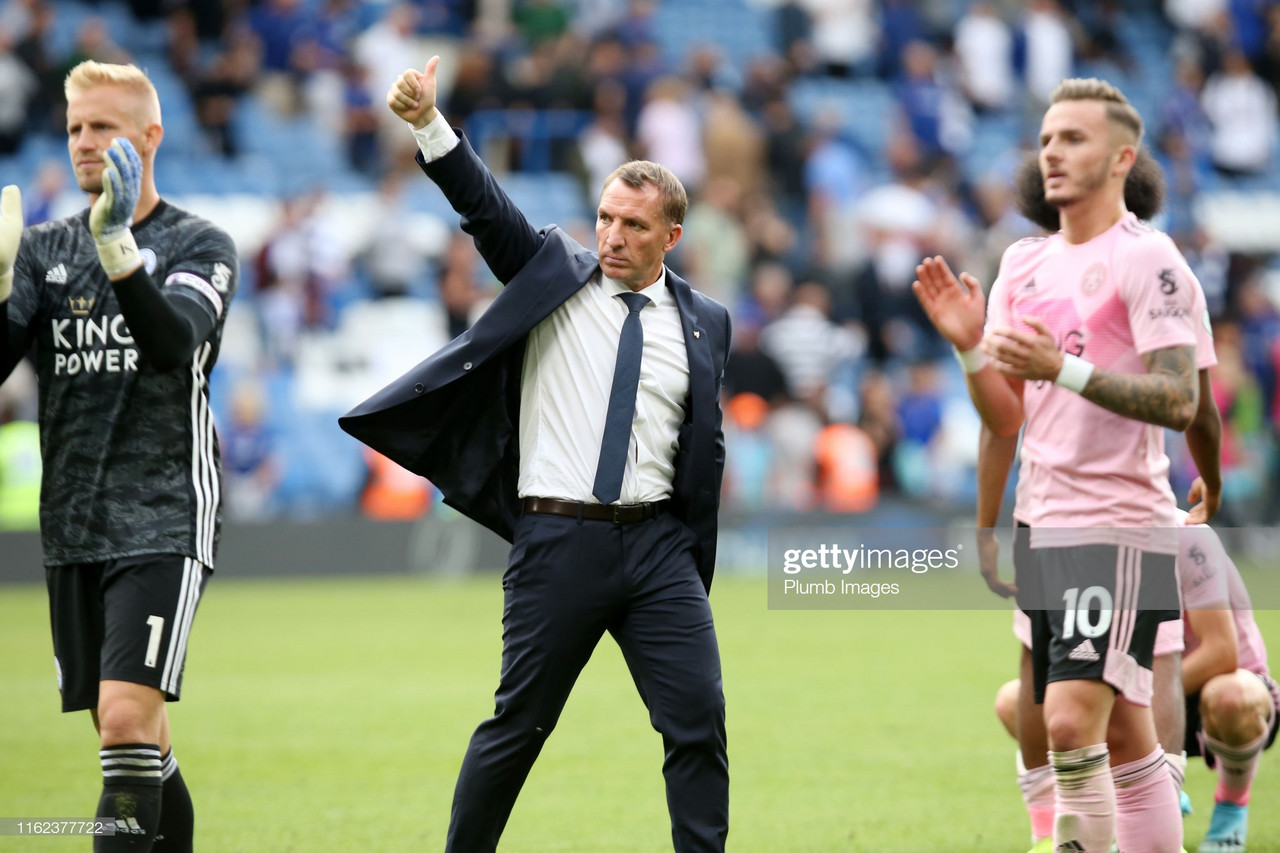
[{"x": 1165, "y": 396}]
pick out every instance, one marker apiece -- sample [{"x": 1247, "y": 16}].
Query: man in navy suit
[{"x": 580, "y": 419}]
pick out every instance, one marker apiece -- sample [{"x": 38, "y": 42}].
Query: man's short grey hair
[{"x": 640, "y": 173}]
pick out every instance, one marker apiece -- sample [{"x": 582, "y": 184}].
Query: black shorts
[
  {"x": 1193, "y": 741},
  {"x": 1094, "y": 612},
  {"x": 122, "y": 620}
]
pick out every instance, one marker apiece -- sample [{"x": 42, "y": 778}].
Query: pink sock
[
  {"x": 1085, "y": 799},
  {"x": 1037, "y": 793},
  {"x": 1148, "y": 817},
  {"x": 1236, "y": 768}
]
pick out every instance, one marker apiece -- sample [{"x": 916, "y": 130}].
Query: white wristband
[
  {"x": 971, "y": 360},
  {"x": 6, "y": 284},
  {"x": 1074, "y": 374},
  {"x": 118, "y": 253}
]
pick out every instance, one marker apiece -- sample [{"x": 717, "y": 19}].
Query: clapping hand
[
  {"x": 112, "y": 212},
  {"x": 10, "y": 236}
]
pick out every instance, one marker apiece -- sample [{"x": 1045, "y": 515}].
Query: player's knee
[
  {"x": 1067, "y": 730},
  {"x": 1007, "y": 705},
  {"x": 1229, "y": 710},
  {"x": 126, "y": 715}
]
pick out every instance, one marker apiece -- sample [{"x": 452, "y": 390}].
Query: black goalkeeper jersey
[{"x": 131, "y": 462}]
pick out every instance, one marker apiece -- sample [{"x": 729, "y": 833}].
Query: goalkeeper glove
[
  {"x": 112, "y": 213},
  {"x": 10, "y": 236}
]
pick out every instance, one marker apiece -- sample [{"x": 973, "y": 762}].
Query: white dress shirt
[{"x": 568, "y": 375}]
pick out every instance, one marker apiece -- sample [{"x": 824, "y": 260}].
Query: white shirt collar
[{"x": 657, "y": 292}]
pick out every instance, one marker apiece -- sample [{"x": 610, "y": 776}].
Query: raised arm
[
  {"x": 166, "y": 324},
  {"x": 957, "y": 310},
  {"x": 13, "y": 336},
  {"x": 501, "y": 232}
]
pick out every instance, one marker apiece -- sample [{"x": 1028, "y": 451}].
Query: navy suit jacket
[{"x": 454, "y": 418}]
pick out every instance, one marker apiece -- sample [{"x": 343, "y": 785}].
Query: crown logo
[{"x": 80, "y": 306}]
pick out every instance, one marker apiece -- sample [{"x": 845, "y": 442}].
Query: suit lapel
[{"x": 701, "y": 372}]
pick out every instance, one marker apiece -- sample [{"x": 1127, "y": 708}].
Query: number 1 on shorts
[
  {"x": 1076, "y": 613},
  {"x": 153, "y": 644}
]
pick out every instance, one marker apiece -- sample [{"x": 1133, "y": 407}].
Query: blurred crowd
[{"x": 827, "y": 146}]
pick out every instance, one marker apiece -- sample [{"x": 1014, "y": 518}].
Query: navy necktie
[{"x": 622, "y": 404}]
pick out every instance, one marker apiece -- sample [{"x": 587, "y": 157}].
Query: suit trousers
[{"x": 567, "y": 582}]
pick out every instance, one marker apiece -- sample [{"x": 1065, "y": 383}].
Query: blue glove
[
  {"x": 10, "y": 236},
  {"x": 112, "y": 213}
]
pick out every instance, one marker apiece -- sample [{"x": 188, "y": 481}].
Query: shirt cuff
[{"x": 436, "y": 139}]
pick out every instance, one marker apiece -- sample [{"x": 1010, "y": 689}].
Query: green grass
[{"x": 332, "y": 715}]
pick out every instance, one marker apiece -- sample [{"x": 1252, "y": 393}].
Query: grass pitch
[{"x": 332, "y": 716}]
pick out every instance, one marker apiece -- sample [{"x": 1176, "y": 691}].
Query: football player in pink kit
[
  {"x": 1091, "y": 341},
  {"x": 1231, "y": 699}
]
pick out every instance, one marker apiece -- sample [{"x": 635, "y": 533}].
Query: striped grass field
[{"x": 331, "y": 715}]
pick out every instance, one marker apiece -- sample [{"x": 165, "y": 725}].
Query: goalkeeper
[{"x": 124, "y": 304}]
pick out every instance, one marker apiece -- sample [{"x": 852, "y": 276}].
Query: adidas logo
[
  {"x": 1072, "y": 846},
  {"x": 1084, "y": 651},
  {"x": 57, "y": 275},
  {"x": 129, "y": 825}
]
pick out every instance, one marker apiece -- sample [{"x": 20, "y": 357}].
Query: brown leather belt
[{"x": 617, "y": 513}]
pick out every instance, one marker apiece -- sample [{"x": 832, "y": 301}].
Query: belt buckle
[{"x": 617, "y": 513}]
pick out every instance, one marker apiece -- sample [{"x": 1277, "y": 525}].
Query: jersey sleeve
[
  {"x": 1161, "y": 295},
  {"x": 1203, "y": 569},
  {"x": 24, "y": 301},
  {"x": 999, "y": 311},
  {"x": 1206, "y": 356},
  {"x": 207, "y": 271}
]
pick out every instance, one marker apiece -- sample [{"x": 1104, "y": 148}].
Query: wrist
[
  {"x": 1074, "y": 373},
  {"x": 426, "y": 119},
  {"x": 6, "y": 284},
  {"x": 971, "y": 360},
  {"x": 117, "y": 252}
]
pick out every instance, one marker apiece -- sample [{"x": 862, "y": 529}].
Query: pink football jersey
[
  {"x": 1210, "y": 580},
  {"x": 1089, "y": 475}
]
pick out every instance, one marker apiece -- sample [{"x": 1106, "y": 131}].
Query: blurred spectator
[
  {"x": 734, "y": 145},
  {"x": 361, "y": 107},
  {"x": 984, "y": 48},
  {"x": 477, "y": 86},
  {"x": 38, "y": 200},
  {"x": 807, "y": 345},
  {"x": 714, "y": 250},
  {"x": 391, "y": 493},
  {"x": 848, "y": 479},
  {"x": 835, "y": 178},
  {"x": 385, "y": 50},
  {"x": 20, "y": 466},
  {"x": 1245, "y": 437},
  {"x": 879, "y": 420},
  {"x": 321, "y": 57},
  {"x": 668, "y": 131},
  {"x": 217, "y": 89},
  {"x": 602, "y": 145},
  {"x": 846, "y": 34},
  {"x": 395, "y": 256},
  {"x": 785, "y": 143},
  {"x": 751, "y": 371},
  {"x": 900, "y": 25},
  {"x": 1235, "y": 99},
  {"x": 933, "y": 111},
  {"x": 1049, "y": 47},
  {"x": 251, "y": 469},
  {"x": 538, "y": 21},
  {"x": 17, "y": 86},
  {"x": 749, "y": 453},
  {"x": 459, "y": 294},
  {"x": 281, "y": 26}
]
